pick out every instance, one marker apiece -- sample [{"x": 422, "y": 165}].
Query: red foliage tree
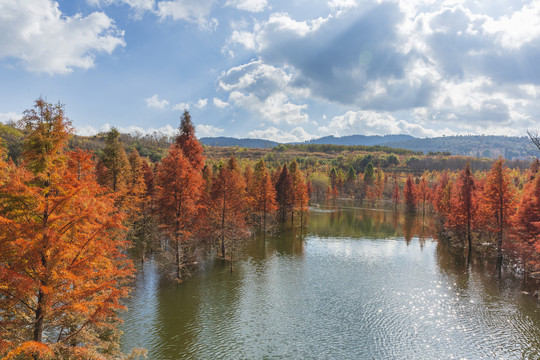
[
  {"x": 284, "y": 192},
  {"x": 526, "y": 234},
  {"x": 179, "y": 188},
  {"x": 409, "y": 195},
  {"x": 497, "y": 202},
  {"x": 263, "y": 195},
  {"x": 226, "y": 213},
  {"x": 463, "y": 204},
  {"x": 395, "y": 193},
  {"x": 187, "y": 141}
]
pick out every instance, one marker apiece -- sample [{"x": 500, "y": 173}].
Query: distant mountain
[
  {"x": 360, "y": 140},
  {"x": 489, "y": 146},
  {"x": 229, "y": 141}
]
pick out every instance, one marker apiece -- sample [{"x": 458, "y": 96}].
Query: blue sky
[{"x": 279, "y": 70}]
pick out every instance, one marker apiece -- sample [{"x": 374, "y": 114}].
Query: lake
[{"x": 358, "y": 284}]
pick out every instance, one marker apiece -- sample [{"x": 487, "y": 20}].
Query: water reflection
[{"x": 362, "y": 283}]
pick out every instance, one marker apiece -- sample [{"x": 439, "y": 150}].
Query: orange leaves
[
  {"x": 31, "y": 350},
  {"x": 409, "y": 195},
  {"x": 62, "y": 264}
]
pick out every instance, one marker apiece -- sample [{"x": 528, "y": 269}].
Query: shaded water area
[{"x": 360, "y": 284}]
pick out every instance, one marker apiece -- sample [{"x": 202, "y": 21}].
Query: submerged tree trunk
[{"x": 178, "y": 264}]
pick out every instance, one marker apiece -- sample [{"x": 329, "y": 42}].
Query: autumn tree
[
  {"x": 395, "y": 193},
  {"x": 188, "y": 142},
  {"x": 300, "y": 197},
  {"x": 409, "y": 195},
  {"x": 226, "y": 213},
  {"x": 284, "y": 192},
  {"x": 179, "y": 193},
  {"x": 497, "y": 203},
  {"x": 62, "y": 265},
  {"x": 423, "y": 192},
  {"x": 526, "y": 231},
  {"x": 263, "y": 195},
  {"x": 463, "y": 205}
]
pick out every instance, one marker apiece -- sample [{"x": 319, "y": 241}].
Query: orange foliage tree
[
  {"x": 284, "y": 192},
  {"x": 526, "y": 234},
  {"x": 409, "y": 195},
  {"x": 179, "y": 192},
  {"x": 263, "y": 196},
  {"x": 62, "y": 264},
  {"x": 227, "y": 209},
  {"x": 463, "y": 204},
  {"x": 300, "y": 198},
  {"x": 497, "y": 202}
]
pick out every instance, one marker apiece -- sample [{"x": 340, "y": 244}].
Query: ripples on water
[{"x": 333, "y": 298}]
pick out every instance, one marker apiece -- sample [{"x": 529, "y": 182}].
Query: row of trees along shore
[
  {"x": 497, "y": 210},
  {"x": 68, "y": 219}
]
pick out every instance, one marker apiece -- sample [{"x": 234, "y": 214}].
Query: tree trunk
[
  {"x": 178, "y": 263},
  {"x": 223, "y": 227},
  {"x": 38, "y": 324},
  {"x": 469, "y": 240}
]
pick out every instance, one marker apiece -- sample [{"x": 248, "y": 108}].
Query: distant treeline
[{"x": 332, "y": 149}]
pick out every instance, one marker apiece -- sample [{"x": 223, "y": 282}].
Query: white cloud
[
  {"x": 245, "y": 38},
  {"x": 276, "y": 108},
  {"x": 265, "y": 91},
  {"x": 220, "y": 103},
  {"x": 517, "y": 29},
  {"x": 10, "y": 116},
  {"x": 155, "y": 102},
  {"x": 373, "y": 123},
  {"x": 207, "y": 130},
  {"x": 137, "y": 5},
  {"x": 181, "y": 106},
  {"x": 201, "y": 103},
  {"x": 196, "y": 11},
  {"x": 89, "y": 130},
  {"x": 249, "y": 5},
  {"x": 297, "y": 134},
  {"x": 342, "y": 4},
  {"x": 45, "y": 40}
]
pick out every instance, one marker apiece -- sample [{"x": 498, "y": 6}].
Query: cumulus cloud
[
  {"x": 518, "y": 29},
  {"x": 249, "y": 5},
  {"x": 188, "y": 10},
  {"x": 201, "y": 103},
  {"x": 155, "y": 102},
  {"x": 44, "y": 39},
  {"x": 265, "y": 91},
  {"x": 373, "y": 123},
  {"x": 220, "y": 103},
  {"x": 166, "y": 130},
  {"x": 342, "y": 4},
  {"x": 138, "y": 5},
  {"x": 208, "y": 130},
  {"x": 181, "y": 106},
  {"x": 445, "y": 65},
  {"x": 297, "y": 134},
  {"x": 275, "y": 108}
]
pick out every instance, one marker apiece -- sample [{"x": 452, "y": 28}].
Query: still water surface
[{"x": 361, "y": 284}]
